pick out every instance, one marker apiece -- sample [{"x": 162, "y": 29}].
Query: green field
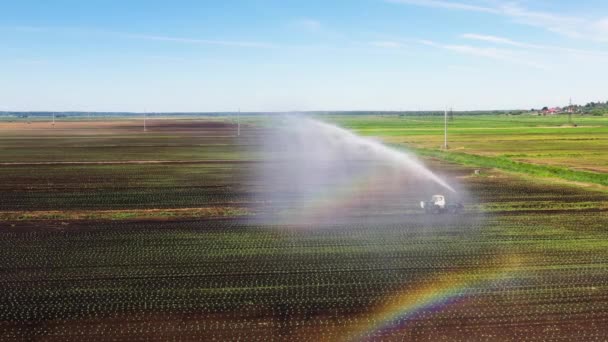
[
  {"x": 109, "y": 233},
  {"x": 541, "y": 140}
]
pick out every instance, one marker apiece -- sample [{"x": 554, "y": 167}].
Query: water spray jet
[
  {"x": 316, "y": 172},
  {"x": 390, "y": 154}
]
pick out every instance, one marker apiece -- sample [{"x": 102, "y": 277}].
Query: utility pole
[
  {"x": 570, "y": 109},
  {"x": 445, "y": 129},
  {"x": 238, "y": 123}
]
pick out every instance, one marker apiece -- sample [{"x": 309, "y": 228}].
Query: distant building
[
  {"x": 551, "y": 111},
  {"x": 555, "y": 110}
]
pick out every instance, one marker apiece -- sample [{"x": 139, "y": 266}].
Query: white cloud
[
  {"x": 503, "y": 55},
  {"x": 308, "y": 24},
  {"x": 81, "y": 31},
  {"x": 573, "y": 27},
  {"x": 507, "y": 41},
  {"x": 447, "y": 5},
  {"x": 565, "y": 25},
  {"x": 602, "y": 26},
  {"x": 246, "y": 44},
  {"x": 492, "y": 39},
  {"x": 388, "y": 44},
  {"x": 427, "y": 42},
  {"x": 318, "y": 28}
]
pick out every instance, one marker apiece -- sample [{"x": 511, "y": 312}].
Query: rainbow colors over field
[{"x": 437, "y": 293}]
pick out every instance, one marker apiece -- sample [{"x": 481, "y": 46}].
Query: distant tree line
[
  {"x": 123, "y": 114},
  {"x": 595, "y": 108}
]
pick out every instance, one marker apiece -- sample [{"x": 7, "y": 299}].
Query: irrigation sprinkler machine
[{"x": 438, "y": 205}]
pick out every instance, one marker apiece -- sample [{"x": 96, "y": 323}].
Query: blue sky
[{"x": 106, "y": 55}]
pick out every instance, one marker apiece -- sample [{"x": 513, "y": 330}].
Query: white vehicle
[{"x": 438, "y": 205}]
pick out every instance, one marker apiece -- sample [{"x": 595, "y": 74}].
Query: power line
[{"x": 445, "y": 126}]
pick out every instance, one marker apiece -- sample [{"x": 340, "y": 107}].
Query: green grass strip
[{"x": 506, "y": 164}]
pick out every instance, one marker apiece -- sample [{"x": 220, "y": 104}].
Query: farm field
[
  {"x": 542, "y": 140},
  {"x": 107, "y": 232}
]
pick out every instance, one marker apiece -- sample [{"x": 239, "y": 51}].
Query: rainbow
[{"x": 434, "y": 293}]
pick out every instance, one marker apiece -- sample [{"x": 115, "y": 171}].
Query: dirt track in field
[
  {"x": 217, "y": 126},
  {"x": 110, "y": 162}
]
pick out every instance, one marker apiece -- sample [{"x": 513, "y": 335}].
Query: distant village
[{"x": 592, "y": 108}]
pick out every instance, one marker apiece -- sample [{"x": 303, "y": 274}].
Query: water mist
[{"x": 316, "y": 172}]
